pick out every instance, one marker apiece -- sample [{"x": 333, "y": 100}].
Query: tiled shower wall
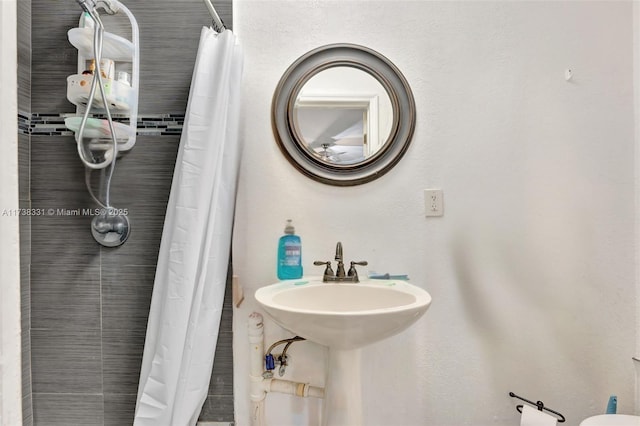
[{"x": 87, "y": 306}]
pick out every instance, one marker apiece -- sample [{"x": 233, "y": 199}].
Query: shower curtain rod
[{"x": 218, "y": 25}]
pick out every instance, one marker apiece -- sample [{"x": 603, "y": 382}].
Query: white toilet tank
[{"x": 612, "y": 420}]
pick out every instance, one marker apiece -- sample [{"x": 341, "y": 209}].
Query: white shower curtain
[{"x": 194, "y": 254}]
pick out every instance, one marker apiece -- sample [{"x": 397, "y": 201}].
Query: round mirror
[{"x": 343, "y": 114}]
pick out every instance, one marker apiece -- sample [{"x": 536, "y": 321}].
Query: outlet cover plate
[{"x": 433, "y": 202}]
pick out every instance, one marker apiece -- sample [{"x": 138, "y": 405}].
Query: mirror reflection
[{"x": 343, "y": 115}]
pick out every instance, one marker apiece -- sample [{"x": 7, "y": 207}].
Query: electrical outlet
[{"x": 433, "y": 202}]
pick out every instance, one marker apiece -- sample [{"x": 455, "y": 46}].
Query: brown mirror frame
[{"x": 339, "y": 55}]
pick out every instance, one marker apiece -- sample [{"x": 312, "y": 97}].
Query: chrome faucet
[
  {"x": 340, "y": 268},
  {"x": 340, "y": 276}
]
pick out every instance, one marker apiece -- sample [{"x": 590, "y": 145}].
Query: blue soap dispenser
[
  {"x": 289, "y": 254},
  {"x": 612, "y": 405}
]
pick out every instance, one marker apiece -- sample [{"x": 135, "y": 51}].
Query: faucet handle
[
  {"x": 352, "y": 270},
  {"x": 328, "y": 272}
]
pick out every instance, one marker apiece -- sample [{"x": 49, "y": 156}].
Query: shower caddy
[{"x": 110, "y": 227}]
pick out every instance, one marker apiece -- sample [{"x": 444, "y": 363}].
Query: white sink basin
[{"x": 344, "y": 315}]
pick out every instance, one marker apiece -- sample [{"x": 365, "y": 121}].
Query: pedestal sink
[{"x": 345, "y": 317}]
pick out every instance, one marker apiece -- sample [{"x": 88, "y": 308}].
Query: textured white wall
[
  {"x": 10, "y": 364},
  {"x": 531, "y": 268}
]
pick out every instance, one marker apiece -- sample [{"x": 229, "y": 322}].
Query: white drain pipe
[
  {"x": 257, "y": 393},
  {"x": 261, "y": 386},
  {"x": 293, "y": 388}
]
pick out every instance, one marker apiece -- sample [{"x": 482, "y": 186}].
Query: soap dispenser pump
[{"x": 289, "y": 254}]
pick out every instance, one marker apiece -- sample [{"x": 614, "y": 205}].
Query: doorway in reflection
[
  {"x": 337, "y": 132},
  {"x": 343, "y": 115}
]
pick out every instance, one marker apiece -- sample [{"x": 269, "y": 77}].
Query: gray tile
[
  {"x": 58, "y": 176},
  {"x": 63, "y": 239},
  {"x": 53, "y": 57},
  {"x": 24, "y": 166},
  {"x": 26, "y": 361},
  {"x": 217, "y": 409},
  {"x": 226, "y": 321},
  {"x": 141, "y": 184},
  {"x": 67, "y": 410},
  {"x": 223, "y": 7},
  {"x": 25, "y": 297},
  {"x": 122, "y": 358},
  {"x": 171, "y": 33},
  {"x": 27, "y": 408},
  {"x": 119, "y": 409},
  {"x": 147, "y": 170},
  {"x": 66, "y": 362},
  {"x": 65, "y": 296},
  {"x": 25, "y": 310},
  {"x": 24, "y": 55},
  {"x": 57, "y": 187},
  {"x": 126, "y": 297},
  {"x": 222, "y": 374},
  {"x": 25, "y": 233}
]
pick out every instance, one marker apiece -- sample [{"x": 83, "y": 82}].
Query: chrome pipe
[
  {"x": 218, "y": 25},
  {"x": 87, "y": 5}
]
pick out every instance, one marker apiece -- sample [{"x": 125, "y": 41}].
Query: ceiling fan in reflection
[{"x": 328, "y": 153}]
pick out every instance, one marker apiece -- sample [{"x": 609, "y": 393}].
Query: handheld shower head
[
  {"x": 109, "y": 6},
  {"x": 87, "y": 5}
]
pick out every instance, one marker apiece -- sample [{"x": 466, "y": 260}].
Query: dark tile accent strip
[{"x": 53, "y": 124}]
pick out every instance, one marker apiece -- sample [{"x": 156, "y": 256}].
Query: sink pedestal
[
  {"x": 343, "y": 317},
  {"x": 343, "y": 389}
]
